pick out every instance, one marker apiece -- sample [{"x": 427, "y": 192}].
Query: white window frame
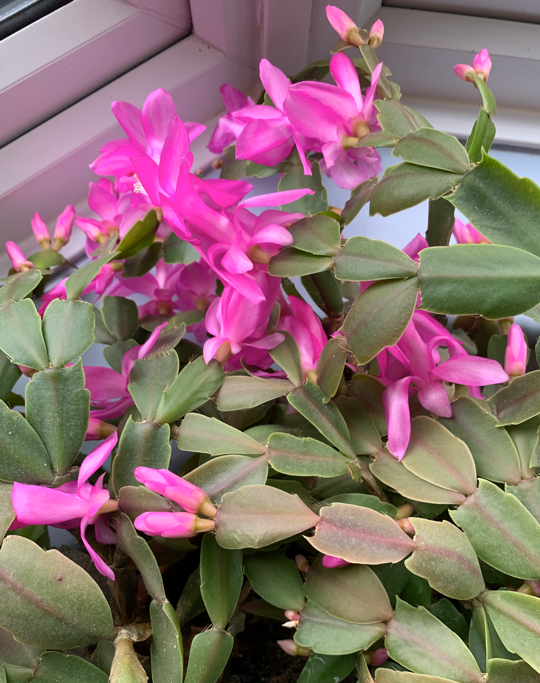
[{"x": 47, "y": 168}]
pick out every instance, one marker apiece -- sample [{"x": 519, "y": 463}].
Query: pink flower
[
  {"x": 41, "y": 232},
  {"x": 468, "y": 234},
  {"x": 334, "y": 118},
  {"x": 293, "y": 649},
  {"x": 172, "y": 524},
  {"x": 187, "y": 495},
  {"x": 64, "y": 226},
  {"x": 239, "y": 327},
  {"x": 109, "y": 389},
  {"x": 481, "y": 67},
  {"x": 376, "y": 33},
  {"x": 98, "y": 429},
  {"x": 415, "y": 364},
  {"x": 515, "y": 357},
  {"x": 344, "y": 26},
  {"x": 18, "y": 259},
  {"x": 330, "y": 562},
  {"x": 229, "y": 127},
  {"x": 299, "y": 320},
  {"x": 73, "y": 504}
]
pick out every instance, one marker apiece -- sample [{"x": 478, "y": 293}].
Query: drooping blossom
[
  {"x": 239, "y": 327},
  {"x": 229, "y": 126},
  {"x": 481, "y": 67},
  {"x": 172, "y": 524},
  {"x": 515, "y": 357},
  {"x": 109, "y": 395},
  {"x": 415, "y": 365},
  {"x": 17, "y": 258},
  {"x": 334, "y": 118},
  {"x": 298, "y": 319},
  {"x": 75, "y": 504},
  {"x": 465, "y": 233},
  {"x": 171, "y": 486},
  {"x": 344, "y": 26}
]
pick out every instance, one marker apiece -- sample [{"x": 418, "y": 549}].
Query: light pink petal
[
  {"x": 433, "y": 397},
  {"x": 305, "y": 313},
  {"x": 104, "y": 383},
  {"x": 275, "y": 82},
  {"x": 167, "y": 524},
  {"x": 158, "y": 113},
  {"x": 96, "y": 458},
  {"x": 112, "y": 409},
  {"x": 272, "y": 234},
  {"x": 268, "y": 342},
  {"x": 235, "y": 260},
  {"x": 515, "y": 357},
  {"x": 415, "y": 246},
  {"x": 129, "y": 117},
  {"x": 345, "y": 75},
  {"x": 338, "y": 101},
  {"x": 271, "y": 138},
  {"x": 464, "y": 71},
  {"x": 175, "y": 152},
  {"x": 310, "y": 117},
  {"x": 223, "y": 192},
  {"x": 42, "y": 505},
  {"x": 233, "y": 99},
  {"x": 340, "y": 22},
  {"x": 330, "y": 562},
  {"x": 211, "y": 347},
  {"x": 194, "y": 129},
  {"x": 371, "y": 91},
  {"x": 96, "y": 559},
  {"x": 470, "y": 370},
  {"x": 147, "y": 171},
  {"x": 395, "y": 400},
  {"x": 104, "y": 533},
  {"x": 276, "y": 198},
  {"x": 102, "y": 202}
]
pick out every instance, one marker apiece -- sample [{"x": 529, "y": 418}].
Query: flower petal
[
  {"x": 395, "y": 400},
  {"x": 470, "y": 370},
  {"x": 96, "y": 458},
  {"x": 96, "y": 559}
]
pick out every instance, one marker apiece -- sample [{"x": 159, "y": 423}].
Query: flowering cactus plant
[{"x": 363, "y": 469}]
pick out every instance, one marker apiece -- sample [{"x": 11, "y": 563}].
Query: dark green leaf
[
  {"x": 330, "y": 366},
  {"x": 325, "y": 291},
  {"x": 420, "y": 642},
  {"x": 207, "y": 435},
  {"x": 193, "y": 387},
  {"x": 364, "y": 259},
  {"x": 440, "y": 222},
  {"x": 449, "y": 614},
  {"x": 294, "y": 179},
  {"x": 114, "y": 354},
  {"x": 360, "y": 196},
  {"x": 309, "y": 402},
  {"x": 368, "y": 391},
  {"x": 24, "y": 457},
  {"x": 519, "y": 401},
  {"x": 317, "y": 235},
  {"x": 352, "y": 593},
  {"x": 58, "y": 408},
  {"x": 434, "y": 149},
  {"x": 256, "y": 516},
  {"x": 291, "y": 262},
  {"x": 21, "y": 338},
  {"x": 101, "y": 333},
  {"x": 481, "y": 137},
  {"x": 7, "y": 514},
  {"x": 304, "y": 457},
  {"x": 502, "y": 531},
  {"x": 9, "y": 374},
  {"x": 364, "y": 500},
  {"x": 18, "y": 286},
  {"x": 179, "y": 251},
  {"x": 59, "y": 606},
  {"x": 365, "y": 439},
  {"x": 276, "y": 579},
  {"x": 500, "y": 204},
  {"x": 121, "y": 316},
  {"x": 483, "y": 279},
  {"x": 149, "y": 379},
  {"x": 208, "y": 656},
  {"x": 140, "y": 235},
  {"x": 68, "y": 330},
  {"x": 191, "y": 603},
  {"x": 221, "y": 580},
  {"x": 78, "y": 281},
  {"x": 166, "y": 651},
  {"x": 54, "y": 667},
  {"x": 143, "y": 261},
  {"x": 142, "y": 444},
  {"x": 379, "y": 316},
  {"x": 325, "y": 634},
  {"x": 360, "y": 535},
  {"x": 326, "y": 668},
  {"x": 287, "y": 356},
  {"x": 398, "y": 119},
  {"x": 237, "y": 393},
  {"x": 171, "y": 335}
]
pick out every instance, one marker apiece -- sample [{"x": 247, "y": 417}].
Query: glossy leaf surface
[
  {"x": 221, "y": 580},
  {"x": 276, "y": 579}
]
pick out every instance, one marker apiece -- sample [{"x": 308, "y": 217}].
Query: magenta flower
[
  {"x": 64, "y": 226},
  {"x": 109, "y": 389},
  {"x": 334, "y": 118},
  {"x": 18, "y": 259},
  {"x": 172, "y": 524},
  {"x": 229, "y": 127},
  {"x": 187, "y": 495},
  {"x": 481, "y": 67},
  {"x": 239, "y": 327},
  {"x": 330, "y": 562},
  {"x": 75, "y": 504},
  {"x": 41, "y": 231},
  {"x": 344, "y": 26},
  {"x": 465, "y": 233},
  {"x": 376, "y": 33},
  {"x": 515, "y": 357},
  {"x": 414, "y": 364},
  {"x": 298, "y": 319}
]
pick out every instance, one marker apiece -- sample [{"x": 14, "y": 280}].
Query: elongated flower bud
[
  {"x": 41, "y": 232},
  {"x": 18, "y": 259},
  {"x": 172, "y": 524},
  {"x": 515, "y": 357},
  {"x": 376, "y": 34},
  {"x": 188, "y": 496},
  {"x": 291, "y": 648},
  {"x": 330, "y": 562},
  {"x": 302, "y": 563},
  {"x": 344, "y": 26},
  {"x": 64, "y": 226},
  {"x": 481, "y": 67}
]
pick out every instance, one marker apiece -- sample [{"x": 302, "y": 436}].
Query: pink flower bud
[
  {"x": 292, "y": 615},
  {"x": 331, "y": 562},
  {"x": 344, "y": 26},
  {"x": 302, "y": 563},
  {"x": 465, "y": 72},
  {"x": 18, "y": 259},
  {"x": 291, "y": 648},
  {"x": 467, "y": 234},
  {"x": 41, "y": 232},
  {"x": 376, "y": 34},
  {"x": 64, "y": 226},
  {"x": 188, "y": 496},
  {"x": 98, "y": 429},
  {"x": 172, "y": 524},
  {"x": 377, "y": 657},
  {"x": 482, "y": 64},
  {"x": 515, "y": 357}
]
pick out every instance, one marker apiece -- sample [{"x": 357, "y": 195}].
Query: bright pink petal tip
[
  {"x": 515, "y": 357},
  {"x": 331, "y": 562},
  {"x": 18, "y": 259}
]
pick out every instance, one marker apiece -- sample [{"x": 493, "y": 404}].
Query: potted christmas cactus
[{"x": 361, "y": 501}]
